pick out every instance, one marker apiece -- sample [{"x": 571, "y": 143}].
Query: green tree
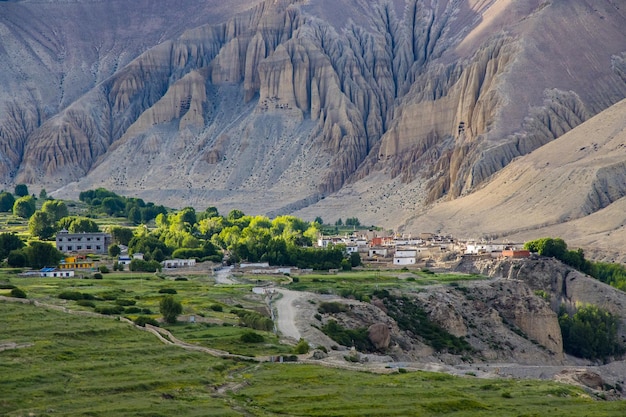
[
  {"x": 235, "y": 215},
  {"x": 590, "y": 333},
  {"x": 41, "y": 225},
  {"x": 134, "y": 215},
  {"x": 21, "y": 190},
  {"x": 24, "y": 207},
  {"x": 17, "y": 258},
  {"x": 8, "y": 243},
  {"x": 170, "y": 309},
  {"x": 43, "y": 195},
  {"x": 114, "y": 251},
  {"x": 211, "y": 212},
  {"x": 75, "y": 224},
  {"x": 6, "y": 201},
  {"x": 57, "y": 209},
  {"x": 121, "y": 235},
  {"x": 355, "y": 259},
  {"x": 42, "y": 254},
  {"x": 319, "y": 220},
  {"x": 352, "y": 221},
  {"x": 338, "y": 222},
  {"x": 547, "y": 246}
]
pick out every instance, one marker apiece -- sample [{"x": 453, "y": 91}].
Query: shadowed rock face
[{"x": 273, "y": 108}]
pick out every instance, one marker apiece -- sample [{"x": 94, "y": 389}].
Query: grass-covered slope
[{"x": 62, "y": 365}]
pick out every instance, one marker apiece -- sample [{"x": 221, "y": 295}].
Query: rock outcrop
[{"x": 565, "y": 286}]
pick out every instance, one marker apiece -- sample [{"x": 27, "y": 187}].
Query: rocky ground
[{"x": 514, "y": 332}]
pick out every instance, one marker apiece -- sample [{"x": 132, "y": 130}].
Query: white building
[
  {"x": 405, "y": 257},
  {"x": 476, "y": 248},
  {"x": 56, "y": 273},
  {"x": 179, "y": 263},
  {"x": 124, "y": 260},
  {"x": 378, "y": 252}
]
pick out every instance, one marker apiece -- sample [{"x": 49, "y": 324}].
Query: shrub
[
  {"x": 103, "y": 269},
  {"x": 254, "y": 320},
  {"x": 252, "y": 337},
  {"x": 71, "y": 295},
  {"x": 110, "y": 310},
  {"x": 332, "y": 308},
  {"x": 170, "y": 309},
  {"x": 216, "y": 307},
  {"x": 143, "y": 320},
  {"x": 167, "y": 291},
  {"x": 6, "y": 286},
  {"x": 18, "y": 293},
  {"x": 97, "y": 275},
  {"x": 122, "y": 302},
  {"x": 294, "y": 279},
  {"x": 181, "y": 279},
  {"x": 132, "y": 310},
  {"x": 302, "y": 347},
  {"x": 86, "y": 303},
  {"x": 348, "y": 337}
]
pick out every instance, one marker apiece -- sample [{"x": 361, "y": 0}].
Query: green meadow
[{"x": 67, "y": 365}]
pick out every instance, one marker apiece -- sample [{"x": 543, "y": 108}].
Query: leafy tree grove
[{"x": 590, "y": 333}]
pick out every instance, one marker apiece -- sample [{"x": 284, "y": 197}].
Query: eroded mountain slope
[
  {"x": 275, "y": 109},
  {"x": 573, "y": 187}
]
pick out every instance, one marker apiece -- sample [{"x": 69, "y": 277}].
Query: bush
[
  {"x": 349, "y": 337},
  {"x": 170, "y": 309},
  {"x": 122, "y": 302},
  {"x": 254, "y": 320},
  {"x": 6, "y": 286},
  {"x": 181, "y": 279},
  {"x": 302, "y": 347},
  {"x": 216, "y": 307},
  {"x": 110, "y": 310},
  {"x": 103, "y": 269},
  {"x": 143, "y": 320},
  {"x": 132, "y": 310},
  {"x": 332, "y": 308},
  {"x": 18, "y": 293},
  {"x": 71, "y": 295},
  {"x": 252, "y": 337},
  {"x": 167, "y": 291},
  {"x": 86, "y": 303},
  {"x": 97, "y": 275}
]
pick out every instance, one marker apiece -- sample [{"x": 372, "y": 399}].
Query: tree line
[{"x": 610, "y": 273}]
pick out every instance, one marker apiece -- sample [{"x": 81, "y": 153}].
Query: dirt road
[{"x": 286, "y": 321}]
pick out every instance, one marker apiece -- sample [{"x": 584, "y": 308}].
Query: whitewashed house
[
  {"x": 405, "y": 257},
  {"x": 178, "y": 263},
  {"x": 56, "y": 273},
  {"x": 378, "y": 252}
]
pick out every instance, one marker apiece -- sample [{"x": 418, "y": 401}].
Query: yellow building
[{"x": 77, "y": 262}]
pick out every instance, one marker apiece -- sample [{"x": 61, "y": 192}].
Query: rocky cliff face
[
  {"x": 275, "y": 108},
  {"x": 566, "y": 286}
]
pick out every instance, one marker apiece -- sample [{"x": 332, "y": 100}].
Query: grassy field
[
  {"x": 69, "y": 366},
  {"x": 140, "y": 294},
  {"x": 360, "y": 283}
]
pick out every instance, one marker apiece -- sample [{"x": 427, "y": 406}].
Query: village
[{"x": 424, "y": 250}]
